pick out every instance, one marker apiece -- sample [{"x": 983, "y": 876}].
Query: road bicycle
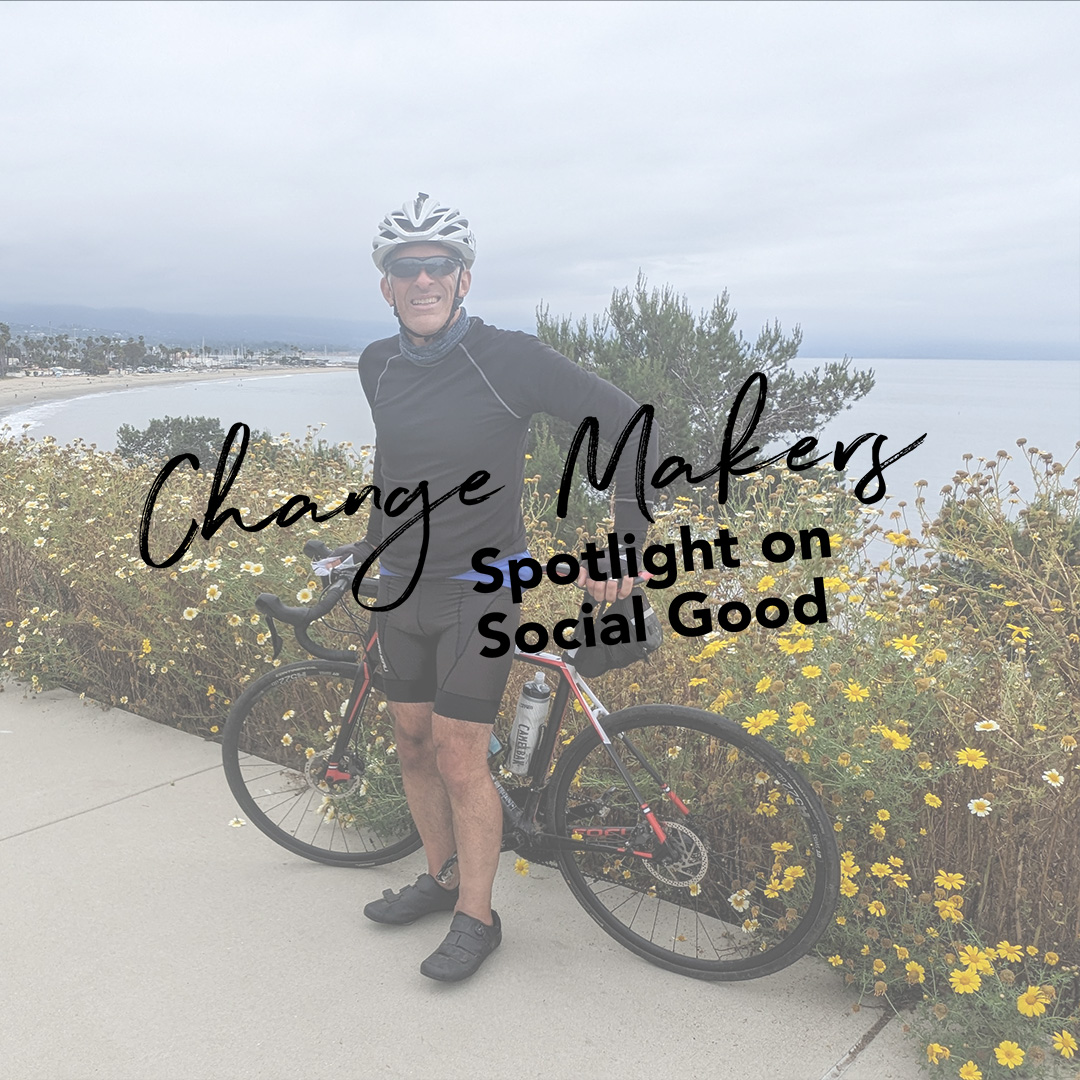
[{"x": 693, "y": 843}]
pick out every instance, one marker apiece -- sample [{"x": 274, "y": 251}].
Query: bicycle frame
[
  {"x": 522, "y": 818},
  {"x": 581, "y": 803},
  {"x": 593, "y": 708}
]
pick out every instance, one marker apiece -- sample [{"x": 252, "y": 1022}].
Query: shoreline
[{"x": 19, "y": 393}]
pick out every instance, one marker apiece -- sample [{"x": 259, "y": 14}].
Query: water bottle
[{"x": 532, "y": 709}]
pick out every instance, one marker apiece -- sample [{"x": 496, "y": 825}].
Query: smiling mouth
[{"x": 425, "y": 301}]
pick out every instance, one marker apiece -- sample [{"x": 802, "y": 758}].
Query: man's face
[{"x": 424, "y": 303}]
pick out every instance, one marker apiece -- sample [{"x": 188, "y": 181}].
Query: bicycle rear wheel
[
  {"x": 277, "y": 745},
  {"x": 756, "y": 875}
]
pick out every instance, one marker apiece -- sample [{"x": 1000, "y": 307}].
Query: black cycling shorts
[{"x": 429, "y": 647}]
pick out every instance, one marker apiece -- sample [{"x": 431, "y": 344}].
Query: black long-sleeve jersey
[{"x": 470, "y": 411}]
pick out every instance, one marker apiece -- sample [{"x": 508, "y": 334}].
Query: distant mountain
[
  {"x": 253, "y": 331},
  {"x": 170, "y": 328}
]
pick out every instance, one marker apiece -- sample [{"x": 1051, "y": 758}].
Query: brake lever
[{"x": 275, "y": 637}]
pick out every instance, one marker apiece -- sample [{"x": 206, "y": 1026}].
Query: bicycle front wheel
[
  {"x": 277, "y": 748},
  {"x": 751, "y": 876}
]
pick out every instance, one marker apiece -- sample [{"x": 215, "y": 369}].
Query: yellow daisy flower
[
  {"x": 1009, "y": 1054},
  {"x": 936, "y": 1053},
  {"x": 965, "y": 981},
  {"x": 1064, "y": 1043},
  {"x": 944, "y": 880},
  {"x": 1032, "y": 1002}
]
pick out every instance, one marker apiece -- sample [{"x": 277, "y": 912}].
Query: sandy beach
[{"x": 20, "y": 392}]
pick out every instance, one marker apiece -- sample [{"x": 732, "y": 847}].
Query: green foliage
[
  {"x": 79, "y": 608},
  {"x": 936, "y": 716},
  {"x": 133, "y": 352},
  {"x": 936, "y": 712},
  {"x": 1032, "y": 557},
  {"x": 690, "y": 366},
  {"x": 94, "y": 354},
  {"x": 166, "y": 437}
]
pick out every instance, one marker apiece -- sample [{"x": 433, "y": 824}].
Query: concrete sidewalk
[{"x": 144, "y": 938}]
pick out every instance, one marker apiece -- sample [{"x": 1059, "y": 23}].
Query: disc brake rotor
[
  {"x": 689, "y": 861},
  {"x": 315, "y": 773}
]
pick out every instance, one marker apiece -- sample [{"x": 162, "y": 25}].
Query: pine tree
[
  {"x": 166, "y": 437},
  {"x": 690, "y": 367}
]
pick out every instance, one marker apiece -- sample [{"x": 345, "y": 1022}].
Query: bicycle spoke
[
  {"x": 734, "y": 892},
  {"x": 278, "y": 747}
]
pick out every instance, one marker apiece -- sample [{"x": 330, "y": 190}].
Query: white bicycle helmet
[{"x": 424, "y": 220}]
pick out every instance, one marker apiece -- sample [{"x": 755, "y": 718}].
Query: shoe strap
[{"x": 460, "y": 941}]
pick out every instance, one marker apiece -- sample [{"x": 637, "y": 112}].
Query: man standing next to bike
[{"x": 450, "y": 396}]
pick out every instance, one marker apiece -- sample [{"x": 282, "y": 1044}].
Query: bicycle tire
[
  {"x": 274, "y": 747},
  {"x": 729, "y": 867}
]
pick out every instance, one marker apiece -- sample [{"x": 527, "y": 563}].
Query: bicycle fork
[
  {"x": 339, "y": 754},
  {"x": 643, "y": 805}
]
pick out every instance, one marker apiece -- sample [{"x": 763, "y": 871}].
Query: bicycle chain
[{"x": 527, "y": 851}]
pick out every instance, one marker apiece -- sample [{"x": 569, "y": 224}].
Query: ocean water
[
  {"x": 962, "y": 406},
  {"x": 287, "y": 403},
  {"x": 975, "y": 407}
]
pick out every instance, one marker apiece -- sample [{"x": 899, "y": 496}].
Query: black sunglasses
[{"x": 436, "y": 266}]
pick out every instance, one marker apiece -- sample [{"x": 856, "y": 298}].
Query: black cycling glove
[{"x": 359, "y": 550}]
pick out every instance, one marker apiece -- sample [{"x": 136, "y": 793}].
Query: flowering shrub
[
  {"x": 935, "y": 712},
  {"x": 79, "y": 608}
]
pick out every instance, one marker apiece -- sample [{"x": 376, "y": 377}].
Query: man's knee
[
  {"x": 412, "y": 732},
  {"x": 461, "y": 753}
]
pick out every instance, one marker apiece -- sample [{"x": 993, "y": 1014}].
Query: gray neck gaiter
[{"x": 443, "y": 345}]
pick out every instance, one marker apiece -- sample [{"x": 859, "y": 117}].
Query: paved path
[{"x": 142, "y": 938}]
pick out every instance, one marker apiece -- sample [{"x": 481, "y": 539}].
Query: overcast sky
[{"x": 899, "y": 179}]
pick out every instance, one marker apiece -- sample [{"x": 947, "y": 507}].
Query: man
[{"x": 451, "y": 396}]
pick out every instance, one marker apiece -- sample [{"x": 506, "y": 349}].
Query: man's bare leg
[
  {"x": 452, "y": 799},
  {"x": 461, "y": 752},
  {"x": 429, "y": 802}
]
